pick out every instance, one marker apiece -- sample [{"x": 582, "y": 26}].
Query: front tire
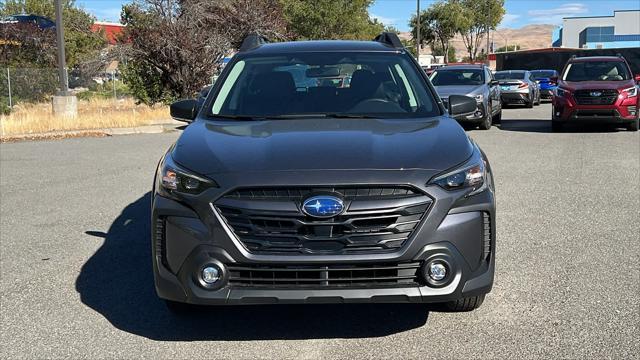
[
  {"x": 497, "y": 118},
  {"x": 633, "y": 126},
  {"x": 529, "y": 104},
  {"x": 537, "y": 103},
  {"x": 465, "y": 304},
  {"x": 486, "y": 122}
]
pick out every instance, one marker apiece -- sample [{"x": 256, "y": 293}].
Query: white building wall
[
  {"x": 572, "y": 27},
  {"x": 627, "y": 22}
]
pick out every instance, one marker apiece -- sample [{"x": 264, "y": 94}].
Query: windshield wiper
[{"x": 239, "y": 117}]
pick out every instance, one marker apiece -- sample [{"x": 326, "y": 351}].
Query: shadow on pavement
[
  {"x": 117, "y": 282},
  {"x": 544, "y": 126}
]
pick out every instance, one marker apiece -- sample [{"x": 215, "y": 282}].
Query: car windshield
[
  {"x": 509, "y": 75},
  {"x": 445, "y": 77},
  {"x": 543, "y": 74},
  {"x": 597, "y": 71},
  {"x": 321, "y": 84}
]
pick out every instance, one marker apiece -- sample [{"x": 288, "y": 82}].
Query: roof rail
[
  {"x": 252, "y": 41},
  {"x": 390, "y": 39}
]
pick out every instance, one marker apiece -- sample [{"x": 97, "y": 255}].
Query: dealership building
[{"x": 622, "y": 30}]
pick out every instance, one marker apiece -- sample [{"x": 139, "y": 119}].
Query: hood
[
  {"x": 445, "y": 91},
  {"x": 599, "y": 85},
  {"x": 322, "y": 144}
]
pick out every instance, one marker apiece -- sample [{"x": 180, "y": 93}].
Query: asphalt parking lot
[{"x": 76, "y": 269}]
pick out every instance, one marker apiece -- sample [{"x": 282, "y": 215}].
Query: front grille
[
  {"x": 300, "y": 193},
  {"x": 377, "y": 219},
  {"x": 367, "y": 275},
  {"x": 587, "y": 97}
]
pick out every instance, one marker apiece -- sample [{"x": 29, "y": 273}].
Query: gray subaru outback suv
[
  {"x": 477, "y": 82},
  {"x": 287, "y": 189}
]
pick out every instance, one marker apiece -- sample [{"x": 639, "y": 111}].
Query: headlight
[
  {"x": 562, "y": 92},
  {"x": 479, "y": 98},
  {"x": 175, "y": 179},
  {"x": 631, "y": 92},
  {"x": 472, "y": 176}
]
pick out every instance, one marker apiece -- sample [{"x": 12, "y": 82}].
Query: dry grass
[{"x": 92, "y": 114}]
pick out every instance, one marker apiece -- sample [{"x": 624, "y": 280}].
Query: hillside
[{"x": 528, "y": 37}]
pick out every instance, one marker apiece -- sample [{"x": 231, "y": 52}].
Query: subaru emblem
[
  {"x": 596, "y": 93},
  {"x": 323, "y": 206}
]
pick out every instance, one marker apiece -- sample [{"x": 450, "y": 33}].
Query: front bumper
[
  {"x": 623, "y": 111},
  {"x": 186, "y": 237}
]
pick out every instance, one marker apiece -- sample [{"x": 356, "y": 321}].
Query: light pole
[
  {"x": 418, "y": 30},
  {"x": 506, "y": 42},
  {"x": 63, "y": 103}
]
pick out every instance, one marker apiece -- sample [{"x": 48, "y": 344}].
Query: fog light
[
  {"x": 478, "y": 113},
  {"x": 210, "y": 274},
  {"x": 437, "y": 271}
]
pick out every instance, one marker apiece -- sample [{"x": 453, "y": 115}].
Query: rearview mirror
[
  {"x": 460, "y": 105},
  {"x": 323, "y": 72},
  {"x": 183, "y": 110}
]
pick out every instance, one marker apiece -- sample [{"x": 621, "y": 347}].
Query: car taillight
[{"x": 523, "y": 85}]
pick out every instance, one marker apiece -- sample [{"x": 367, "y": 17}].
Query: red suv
[{"x": 596, "y": 89}]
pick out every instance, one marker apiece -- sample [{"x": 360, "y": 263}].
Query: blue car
[{"x": 548, "y": 81}]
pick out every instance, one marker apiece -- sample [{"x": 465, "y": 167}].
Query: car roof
[
  {"x": 596, "y": 58},
  {"x": 323, "y": 46},
  {"x": 511, "y": 71},
  {"x": 542, "y": 70}
]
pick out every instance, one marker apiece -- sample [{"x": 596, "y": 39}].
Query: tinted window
[
  {"x": 543, "y": 74},
  {"x": 597, "y": 71},
  {"x": 509, "y": 75},
  {"x": 371, "y": 84},
  {"x": 444, "y": 77}
]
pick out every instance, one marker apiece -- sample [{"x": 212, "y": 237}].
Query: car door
[{"x": 494, "y": 90}]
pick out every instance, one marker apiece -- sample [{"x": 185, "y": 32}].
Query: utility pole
[
  {"x": 64, "y": 103},
  {"x": 488, "y": 22},
  {"x": 418, "y": 30},
  {"x": 64, "y": 81}
]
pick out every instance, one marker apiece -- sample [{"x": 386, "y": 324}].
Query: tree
[
  {"x": 81, "y": 44},
  {"x": 331, "y": 19},
  {"x": 174, "y": 47},
  {"x": 436, "y": 50},
  {"x": 478, "y": 17},
  {"x": 439, "y": 24}
]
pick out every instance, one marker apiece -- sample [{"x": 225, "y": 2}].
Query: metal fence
[{"x": 34, "y": 85}]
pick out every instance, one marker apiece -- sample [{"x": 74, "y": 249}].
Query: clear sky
[{"x": 397, "y": 12}]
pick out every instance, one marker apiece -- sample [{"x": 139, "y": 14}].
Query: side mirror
[
  {"x": 460, "y": 105},
  {"x": 183, "y": 110},
  {"x": 554, "y": 79},
  {"x": 494, "y": 82},
  {"x": 637, "y": 78}
]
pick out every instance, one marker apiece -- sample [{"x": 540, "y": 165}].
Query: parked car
[
  {"x": 40, "y": 22},
  {"x": 547, "y": 81},
  {"x": 277, "y": 193},
  {"x": 597, "y": 89},
  {"x": 518, "y": 87},
  {"x": 475, "y": 81}
]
